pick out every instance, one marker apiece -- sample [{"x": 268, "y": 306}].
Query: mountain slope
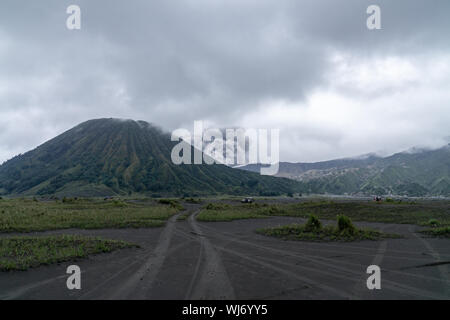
[
  {"x": 112, "y": 156},
  {"x": 418, "y": 173}
]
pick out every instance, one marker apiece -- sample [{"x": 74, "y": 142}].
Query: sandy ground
[{"x": 228, "y": 260}]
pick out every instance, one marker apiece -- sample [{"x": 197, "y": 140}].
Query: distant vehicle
[{"x": 247, "y": 200}]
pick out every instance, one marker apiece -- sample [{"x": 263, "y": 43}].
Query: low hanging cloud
[{"x": 310, "y": 68}]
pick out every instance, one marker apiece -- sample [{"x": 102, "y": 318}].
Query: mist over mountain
[
  {"x": 119, "y": 157},
  {"x": 415, "y": 172}
]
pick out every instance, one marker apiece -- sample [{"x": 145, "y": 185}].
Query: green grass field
[
  {"x": 214, "y": 212},
  {"x": 313, "y": 230},
  {"x": 328, "y": 233},
  {"x": 26, "y": 215},
  {"x": 441, "y": 232},
  {"x": 419, "y": 213},
  {"x": 22, "y": 253}
]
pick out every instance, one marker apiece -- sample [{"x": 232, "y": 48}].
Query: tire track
[
  {"x": 360, "y": 289},
  {"x": 394, "y": 286},
  {"x": 210, "y": 280},
  {"x": 137, "y": 285},
  {"x": 134, "y": 260},
  {"x": 290, "y": 274},
  {"x": 443, "y": 268}
]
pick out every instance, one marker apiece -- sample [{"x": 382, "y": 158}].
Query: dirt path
[
  {"x": 228, "y": 260},
  {"x": 211, "y": 280}
]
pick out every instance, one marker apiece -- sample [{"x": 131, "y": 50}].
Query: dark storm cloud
[{"x": 171, "y": 62}]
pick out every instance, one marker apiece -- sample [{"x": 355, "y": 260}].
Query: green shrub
[
  {"x": 433, "y": 223},
  {"x": 217, "y": 206},
  {"x": 119, "y": 203},
  {"x": 171, "y": 202},
  {"x": 193, "y": 200},
  {"x": 345, "y": 224},
  {"x": 68, "y": 200},
  {"x": 273, "y": 210},
  {"x": 313, "y": 223},
  {"x": 438, "y": 232}
]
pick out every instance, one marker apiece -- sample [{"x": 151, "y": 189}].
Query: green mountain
[
  {"x": 119, "y": 157},
  {"x": 414, "y": 173}
]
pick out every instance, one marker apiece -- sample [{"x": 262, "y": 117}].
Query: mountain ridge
[
  {"x": 420, "y": 173},
  {"x": 115, "y": 156}
]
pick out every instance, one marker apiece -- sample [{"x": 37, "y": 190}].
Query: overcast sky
[{"x": 310, "y": 68}]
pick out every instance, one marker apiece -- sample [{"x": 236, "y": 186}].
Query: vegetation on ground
[
  {"x": 25, "y": 215},
  {"x": 183, "y": 216},
  {"x": 313, "y": 230},
  {"x": 420, "y": 213},
  {"x": 432, "y": 223},
  {"x": 172, "y": 203},
  {"x": 192, "y": 200},
  {"x": 21, "y": 253},
  {"x": 214, "y": 212},
  {"x": 442, "y": 232}
]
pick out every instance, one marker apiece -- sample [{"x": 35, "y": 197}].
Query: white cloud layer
[{"x": 310, "y": 68}]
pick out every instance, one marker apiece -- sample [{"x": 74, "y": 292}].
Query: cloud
[{"x": 310, "y": 68}]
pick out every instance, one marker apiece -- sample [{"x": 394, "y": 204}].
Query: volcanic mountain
[{"x": 119, "y": 157}]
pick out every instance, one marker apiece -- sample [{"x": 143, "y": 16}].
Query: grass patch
[
  {"x": 26, "y": 216},
  {"x": 226, "y": 215},
  {"x": 432, "y": 223},
  {"x": 425, "y": 213},
  {"x": 214, "y": 212},
  {"x": 441, "y": 232},
  {"x": 217, "y": 206},
  {"x": 172, "y": 203},
  {"x": 419, "y": 213},
  {"x": 184, "y": 216},
  {"x": 22, "y": 253},
  {"x": 193, "y": 200},
  {"x": 313, "y": 231}
]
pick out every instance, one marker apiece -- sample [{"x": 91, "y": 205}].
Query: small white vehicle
[{"x": 247, "y": 200}]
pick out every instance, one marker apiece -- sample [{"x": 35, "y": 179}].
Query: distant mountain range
[
  {"x": 106, "y": 157},
  {"x": 413, "y": 173},
  {"x": 120, "y": 157}
]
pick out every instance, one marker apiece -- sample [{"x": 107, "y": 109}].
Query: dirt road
[{"x": 228, "y": 260}]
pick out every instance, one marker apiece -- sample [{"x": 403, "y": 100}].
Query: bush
[
  {"x": 119, "y": 203},
  {"x": 68, "y": 200},
  {"x": 166, "y": 201},
  {"x": 273, "y": 210},
  {"x": 345, "y": 224},
  {"x": 433, "y": 223},
  {"x": 313, "y": 223},
  {"x": 193, "y": 200},
  {"x": 171, "y": 202},
  {"x": 217, "y": 206}
]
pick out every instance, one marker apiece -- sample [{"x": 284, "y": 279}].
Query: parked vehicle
[{"x": 247, "y": 200}]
